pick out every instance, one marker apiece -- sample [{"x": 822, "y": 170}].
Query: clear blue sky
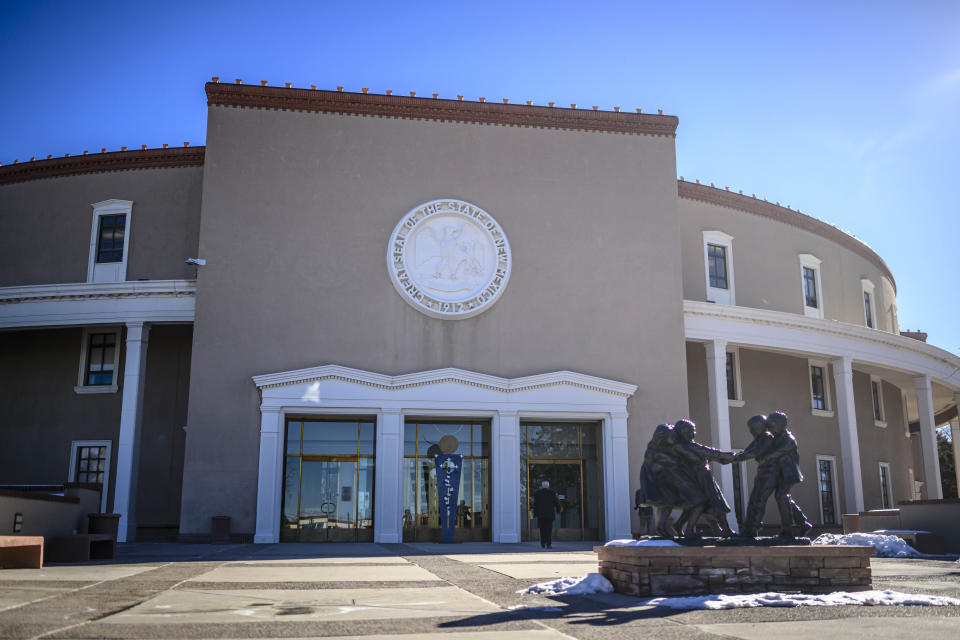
[{"x": 848, "y": 110}]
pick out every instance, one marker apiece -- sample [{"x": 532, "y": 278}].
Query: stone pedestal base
[{"x": 671, "y": 571}]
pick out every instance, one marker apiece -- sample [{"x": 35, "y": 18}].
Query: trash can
[
  {"x": 221, "y": 529},
  {"x": 103, "y": 523}
]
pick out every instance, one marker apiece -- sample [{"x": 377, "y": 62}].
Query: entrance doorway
[
  {"x": 565, "y": 455},
  {"x": 328, "y": 481},
  {"x": 421, "y": 506}
]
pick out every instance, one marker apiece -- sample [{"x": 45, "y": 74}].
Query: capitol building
[{"x": 280, "y": 326}]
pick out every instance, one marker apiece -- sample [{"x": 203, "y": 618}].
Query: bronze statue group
[{"x": 676, "y": 475}]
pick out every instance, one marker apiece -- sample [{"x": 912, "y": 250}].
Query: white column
[
  {"x": 849, "y": 440},
  {"x": 955, "y": 436},
  {"x": 388, "y": 480},
  {"x": 616, "y": 475},
  {"x": 505, "y": 477},
  {"x": 928, "y": 438},
  {"x": 720, "y": 418},
  {"x": 128, "y": 441},
  {"x": 269, "y": 477}
]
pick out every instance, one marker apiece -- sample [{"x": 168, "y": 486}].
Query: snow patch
[
  {"x": 772, "y": 599},
  {"x": 523, "y": 607},
  {"x": 584, "y": 585},
  {"x": 641, "y": 543},
  {"x": 886, "y": 546}
]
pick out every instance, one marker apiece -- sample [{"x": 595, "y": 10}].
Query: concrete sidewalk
[{"x": 158, "y": 590}]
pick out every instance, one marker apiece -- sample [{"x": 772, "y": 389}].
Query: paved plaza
[{"x": 158, "y": 590}]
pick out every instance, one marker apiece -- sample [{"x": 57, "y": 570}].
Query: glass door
[
  {"x": 565, "y": 455},
  {"x": 328, "y": 481}
]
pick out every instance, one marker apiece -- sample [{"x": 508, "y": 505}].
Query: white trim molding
[
  {"x": 821, "y": 339},
  {"x": 72, "y": 471},
  {"x": 83, "y": 303},
  {"x": 812, "y": 262},
  {"x": 333, "y": 389},
  {"x": 737, "y": 401},
  {"x": 110, "y": 271},
  {"x": 833, "y": 480},
  {"x": 886, "y": 488},
  {"x": 719, "y": 295},
  {"x": 82, "y": 386},
  {"x": 877, "y": 403},
  {"x": 827, "y": 410},
  {"x": 869, "y": 296}
]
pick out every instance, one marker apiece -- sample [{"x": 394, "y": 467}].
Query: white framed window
[
  {"x": 886, "y": 487},
  {"x": 876, "y": 402},
  {"x": 827, "y": 489},
  {"x": 811, "y": 289},
  {"x": 90, "y": 463},
  {"x": 718, "y": 267},
  {"x": 821, "y": 404},
  {"x": 734, "y": 386},
  {"x": 109, "y": 241},
  {"x": 869, "y": 304},
  {"x": 99, "y": 360}
]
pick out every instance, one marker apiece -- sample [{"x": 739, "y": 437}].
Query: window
[
  {"x": 819, "y": 391},
  {"x": 90, "y": 463},
  {"x": 99, "y": 360},
  {"x": 876, "y": 395},
  {"x": 827, "y": 485},
  {"x": 718, "y": 263},
  {"x": 718, "y": 266},
  {"x": 886, "y": 494},
  {"x": 811, "y": 288},
  {"x": 869, "y": 305},
  {"x": 734, "y": 388},
  {"x": 109, "y": 241}
]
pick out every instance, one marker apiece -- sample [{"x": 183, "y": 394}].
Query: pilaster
[
  {"x": 928, "y": 437},
  {"x": 128, "y": 440},
  {"x": 388, "y": 489},
  {"x": 720, "y": 418},
  {"x": 505, "y": 477},
  {"x": 269, "y": 478},
  {"x": 849, "y": 439}
]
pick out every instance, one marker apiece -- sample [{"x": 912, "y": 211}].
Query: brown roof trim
[
  {"x": 102, "y": 162},
  {"x": 492, "y": 113},
  {"x": 766, "y": 209}
]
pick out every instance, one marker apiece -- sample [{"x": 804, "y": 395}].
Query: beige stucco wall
[
  {"x": 45, "y": 224},
  {"x": 767, "y": 267},
  {"x": 297, "y": 212}
]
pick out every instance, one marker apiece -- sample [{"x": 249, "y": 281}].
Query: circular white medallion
[{"x": 449, "y": 259}]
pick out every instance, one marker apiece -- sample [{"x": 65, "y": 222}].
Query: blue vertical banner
[{"x": 449, "y": 466}]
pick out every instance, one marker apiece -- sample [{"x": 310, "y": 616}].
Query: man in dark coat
[{"x": 546, "y": 506}]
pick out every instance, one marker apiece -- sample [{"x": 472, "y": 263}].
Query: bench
[
  {"x": 82, "y": 547},
  {"x": 21, "y": 552}
]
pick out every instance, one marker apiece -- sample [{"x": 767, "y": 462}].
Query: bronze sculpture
[
  {"x": 676, "y": 475},
  {"x": 775, "y": 449}
]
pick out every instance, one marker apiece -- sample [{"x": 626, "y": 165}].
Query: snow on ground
[
  {"x": 838, "y": 598},
  {"x": 582, "y": 586},
  {"x": 641, "y": 543},
  {"x": 886, "y": 546}
]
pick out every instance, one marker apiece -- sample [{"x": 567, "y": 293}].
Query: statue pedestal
[{"x": 672, "y": 571}]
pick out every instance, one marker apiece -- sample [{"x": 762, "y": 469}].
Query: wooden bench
[
  {"x": 82, "y": 547},
  {"x": 21, "y": 552}
]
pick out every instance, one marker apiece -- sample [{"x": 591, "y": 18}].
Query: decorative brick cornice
[
  {"x": 390, "y": 106},
  {"x": 102, "y": 162},
  {"x": 725, "y": 198}
]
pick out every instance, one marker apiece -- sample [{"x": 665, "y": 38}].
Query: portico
[{"x": 447, "y": 394}]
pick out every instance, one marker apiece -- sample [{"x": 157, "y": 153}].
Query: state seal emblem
[{"x": 449, "y": 259}]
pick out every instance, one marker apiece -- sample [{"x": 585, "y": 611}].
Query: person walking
[{"x": 546, "y": 506}]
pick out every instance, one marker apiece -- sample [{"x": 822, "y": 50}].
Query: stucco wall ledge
[
  {"x": 84, "y": 303},
  {"x": 780, "y": 331}
]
